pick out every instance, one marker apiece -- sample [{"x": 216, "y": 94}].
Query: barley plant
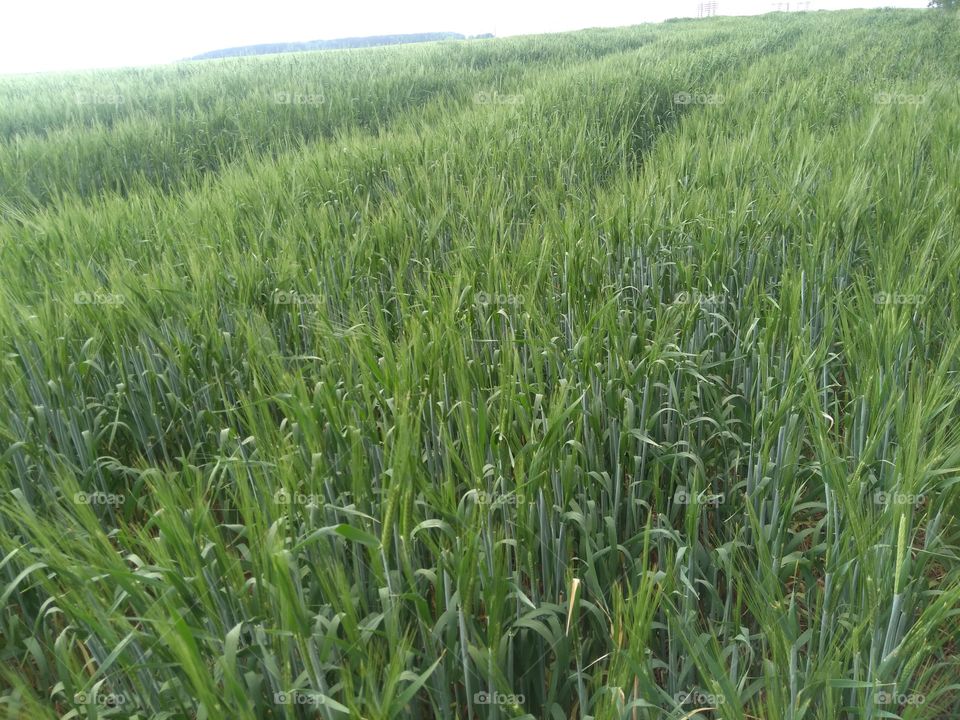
[{"x": 611, "y": 374}]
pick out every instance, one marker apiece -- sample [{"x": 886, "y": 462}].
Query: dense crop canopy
[{"x": 611, "y": 374}]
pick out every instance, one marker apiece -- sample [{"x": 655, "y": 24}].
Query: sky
[{"x": 49, "y": 35}]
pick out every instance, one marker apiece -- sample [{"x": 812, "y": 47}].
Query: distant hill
[{"x": 337, "y": 44}]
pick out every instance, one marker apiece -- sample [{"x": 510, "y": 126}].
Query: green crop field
[{"x": 610, "y": 374}]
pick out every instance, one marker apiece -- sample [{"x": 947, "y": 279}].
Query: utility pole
[{"x": 707, "y": 9}]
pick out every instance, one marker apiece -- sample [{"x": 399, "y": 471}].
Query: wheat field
[{"x": 609, "y": 374}]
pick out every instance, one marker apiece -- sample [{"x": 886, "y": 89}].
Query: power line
[{"x": 798, "y": 6}]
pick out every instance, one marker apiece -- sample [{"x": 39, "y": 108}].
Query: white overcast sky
[{"x": 42, "y": 35}]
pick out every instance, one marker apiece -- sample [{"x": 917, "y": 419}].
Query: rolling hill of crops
[{"x": 610, "y": 374}]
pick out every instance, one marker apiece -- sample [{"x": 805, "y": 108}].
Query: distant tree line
[{"x": 337, "y": 44}]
